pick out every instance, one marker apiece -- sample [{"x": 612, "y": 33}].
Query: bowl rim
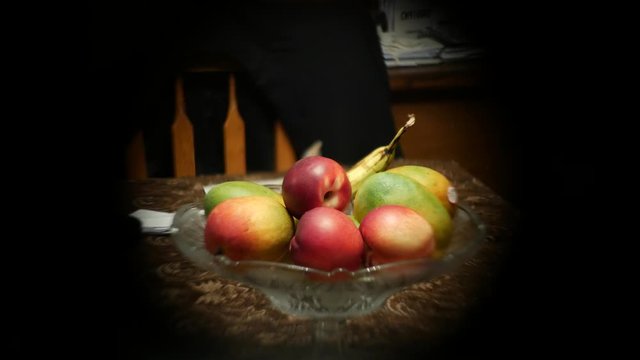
[{"x": 344, "y": 274}]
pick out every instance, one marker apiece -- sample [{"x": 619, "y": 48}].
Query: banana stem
[{"x": 394, "y": 142}]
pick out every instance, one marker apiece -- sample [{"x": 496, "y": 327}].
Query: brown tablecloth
[{"x": 180, "y": 311}]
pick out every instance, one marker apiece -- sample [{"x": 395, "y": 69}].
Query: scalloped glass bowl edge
[{"x": 308, "y": 292}]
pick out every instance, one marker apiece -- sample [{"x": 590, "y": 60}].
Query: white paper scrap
[{"x": 154, "y": 222}]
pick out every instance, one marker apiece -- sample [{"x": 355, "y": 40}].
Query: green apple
[{"x": 233, "y": 189}]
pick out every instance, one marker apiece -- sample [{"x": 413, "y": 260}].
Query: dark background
[{"x": 553, "y": 94}]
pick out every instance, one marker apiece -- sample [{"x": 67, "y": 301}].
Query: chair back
[{"x": 182, "y": 138}]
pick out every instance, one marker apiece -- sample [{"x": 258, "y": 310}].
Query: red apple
[
  {"x": 249, "y": 228},
  {"x": 327, "y": 239},
  {"x": 315, "y": 181},
  {"x": 395, "y": 232}
]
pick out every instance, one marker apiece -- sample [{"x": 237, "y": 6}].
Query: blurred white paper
[
  {"x": 401, "y": 47},
  {"x": 154, "y": 222},
  {"x": 314, "y": 150},
  {"x": 461, "y": 52}
]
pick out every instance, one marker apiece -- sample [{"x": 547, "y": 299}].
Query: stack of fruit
[{"x": 398, "y": 214}]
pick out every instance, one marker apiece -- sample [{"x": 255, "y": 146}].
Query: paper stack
[{"x": 405, "y": 50}]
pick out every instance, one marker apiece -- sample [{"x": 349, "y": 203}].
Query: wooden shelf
[{"x": 436, "y": 77}]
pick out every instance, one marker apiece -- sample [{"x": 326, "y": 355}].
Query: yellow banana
[{"x": 377, "y": 160}]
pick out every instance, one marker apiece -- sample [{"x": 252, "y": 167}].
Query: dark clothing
[{"x": 316, "y": 66}]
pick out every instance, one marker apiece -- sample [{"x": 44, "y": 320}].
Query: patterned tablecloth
[{"x": 174, "y": 310}]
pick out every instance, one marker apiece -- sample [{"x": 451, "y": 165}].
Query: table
[{"x": 175, "y": 309}]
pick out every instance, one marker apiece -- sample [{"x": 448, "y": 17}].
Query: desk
[
  {"x": 191, "y": 313},
  {"x": 436, "y": 77}
]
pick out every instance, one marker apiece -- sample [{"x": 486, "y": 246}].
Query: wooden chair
[{"x": 183, "y": 144}]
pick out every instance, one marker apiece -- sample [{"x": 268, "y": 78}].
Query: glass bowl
[{"x": 307, "y": 292}]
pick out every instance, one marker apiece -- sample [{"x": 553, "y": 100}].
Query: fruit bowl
[{"x": 339, "y": 294}]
